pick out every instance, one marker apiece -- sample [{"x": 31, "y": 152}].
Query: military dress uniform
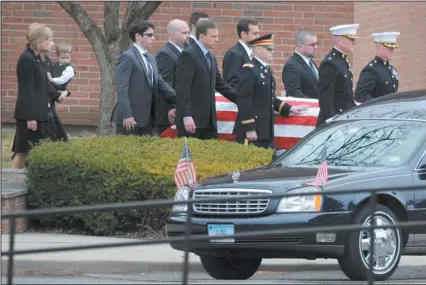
[
  {"x": 378, "y": 77},
  {"x": 257, "y": 101},
  {"x": 336, "y": 79}
]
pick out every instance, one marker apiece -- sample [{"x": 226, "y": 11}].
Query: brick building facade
[{"x": 283, "y": 18}]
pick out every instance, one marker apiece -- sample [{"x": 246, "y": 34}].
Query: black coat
[
  {"x": 233, "y": 60},
  {"x": 376, "y": 79},
  {"x": 167, "y": 59},
  {"x": 32, "y": 102},
  {"x": 257, "y": 102},
  {"x": 54, "y": 127},
  {"x": 298, "y": 78},
  {"x": 335, "y": 86},
  {"x": 196, "y": 85}
]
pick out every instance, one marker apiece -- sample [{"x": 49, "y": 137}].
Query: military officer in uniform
[
  {"x": 257, "y": 101},
  {"x": 379, "y": 77},
  {"x": 335, "y": 74}
]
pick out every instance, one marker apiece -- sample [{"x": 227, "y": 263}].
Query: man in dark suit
[
  {"x": 335, "y": 74},
  {"x": 256, "y": 100},
  {"x": 137, "y": 83},
  {"x": 167, "y": 59},
  {"x": 379, "y": 77},
  {"x": 300, "y": 73},
  {"x": 193, "y": 20},
  {"x": 197, "y": 77},
  {"x": 241, "y": 52}
]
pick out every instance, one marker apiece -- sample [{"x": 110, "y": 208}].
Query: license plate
[{"x": 221, "y": 230}]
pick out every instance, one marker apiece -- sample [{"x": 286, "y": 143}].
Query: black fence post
[
  {"x": 11, "y": 250},
  {"x": 186, "y": 242},
  {"x": 373, "y": 203}
]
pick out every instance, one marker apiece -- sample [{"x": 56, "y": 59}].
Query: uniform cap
[
  {"x": 266, "y": 41},
  {"x": 349, "y": 31},
  {"x": 388, "y": 39}
]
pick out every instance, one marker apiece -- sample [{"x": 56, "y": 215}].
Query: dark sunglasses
[{"x": 150, "y": 35}]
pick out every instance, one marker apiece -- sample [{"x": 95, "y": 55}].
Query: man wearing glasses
[
  {"x": 300, "y": 73},
  {"x": 335, "y": 74},
  {"x": 137, "y": 83}
]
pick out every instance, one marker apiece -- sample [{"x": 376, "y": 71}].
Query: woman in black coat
[{"x": 32, "y": 104}]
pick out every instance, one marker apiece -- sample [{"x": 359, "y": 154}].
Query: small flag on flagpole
[
  {"x": 322, "y": 174},
  {"x": 185, "y": 173}
]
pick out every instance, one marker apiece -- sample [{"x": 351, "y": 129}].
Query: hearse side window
[{"x": 363, "y": 143}]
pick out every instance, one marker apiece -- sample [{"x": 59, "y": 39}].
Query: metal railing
[{"x": 188, "y": 237}]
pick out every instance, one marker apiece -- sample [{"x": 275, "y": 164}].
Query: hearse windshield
[{"x": 358, "y": 143}]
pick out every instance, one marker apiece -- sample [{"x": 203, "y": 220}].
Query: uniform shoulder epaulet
[{"x": 248, "y": 65}]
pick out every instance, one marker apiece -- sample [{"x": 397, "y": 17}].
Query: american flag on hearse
[
  {"x": 322, "y": 174},
  {"x": 185, "y": 173}
]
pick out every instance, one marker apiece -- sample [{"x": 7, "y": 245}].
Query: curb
[{"x": 77, "y": 267}]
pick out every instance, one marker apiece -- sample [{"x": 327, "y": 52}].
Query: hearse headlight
[
  {"x": 301, "y": 203},
  {"x": 181, "y": 195}
]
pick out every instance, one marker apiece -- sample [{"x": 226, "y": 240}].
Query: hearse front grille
[{"x": 240, "y": 206}]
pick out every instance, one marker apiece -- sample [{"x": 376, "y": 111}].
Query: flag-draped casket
[{"x": 288, "y": 130}]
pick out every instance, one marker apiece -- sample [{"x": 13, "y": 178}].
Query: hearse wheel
[
  {"x": 230, "y": 268},
  {"x": 388, "y": 246}
]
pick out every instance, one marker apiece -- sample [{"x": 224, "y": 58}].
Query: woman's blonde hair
[{"x": 37, "y": 33}]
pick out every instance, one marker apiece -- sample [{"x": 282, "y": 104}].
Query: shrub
[{"x": 99, "y": 170}]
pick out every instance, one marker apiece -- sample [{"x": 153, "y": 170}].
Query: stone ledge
[{"x": 13, "y": 198}]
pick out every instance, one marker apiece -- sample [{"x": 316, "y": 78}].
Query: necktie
[
  {"x": 149, "y": 67},
  {"x": 314, "y": 70},
  {"x": 208, "y": 60}
]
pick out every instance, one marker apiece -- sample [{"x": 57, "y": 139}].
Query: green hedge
[{"x": 99, "y": 170}]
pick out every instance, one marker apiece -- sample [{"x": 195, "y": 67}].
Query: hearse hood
[{"x": 272, "y": 177}]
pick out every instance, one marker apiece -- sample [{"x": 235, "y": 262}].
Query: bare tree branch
[
  {"x": 136, "y": 10},
  {"x": 112, "y": 21},
  {"x": 92, "y": 32}
]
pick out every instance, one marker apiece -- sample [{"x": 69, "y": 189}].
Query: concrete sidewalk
[{"x": 129, "y": 259}]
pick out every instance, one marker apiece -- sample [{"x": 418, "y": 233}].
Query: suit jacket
[
  {"x": 298, "y": 78},
  {"x": 32, "y": 103},
  {"x": 167, "y": 59},
  {"x": 191, "y": 41},
  {"x": 257, "y": 101},
  {"x": 233, "y": 60},
  {"x": 195, "y": 85},
  {"x": 135, "y": 92},
  {"x": 376, "y": 79},
  {"x": 335, "y": 86}
]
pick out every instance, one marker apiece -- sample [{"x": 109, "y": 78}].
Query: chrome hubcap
[{"x": 386, "y": 244}]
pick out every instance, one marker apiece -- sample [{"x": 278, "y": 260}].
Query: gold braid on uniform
[
  {"x": 281, "y": 106},
  {"x": 247, "y": 121}
]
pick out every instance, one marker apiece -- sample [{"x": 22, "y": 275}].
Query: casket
[{"x": 288, "y": 130}]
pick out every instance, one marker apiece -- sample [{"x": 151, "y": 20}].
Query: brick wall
[
  {"x": 283, "y": 18},
  {"x": 407, "y": 18},
  {"x": 13, "y": 205}
]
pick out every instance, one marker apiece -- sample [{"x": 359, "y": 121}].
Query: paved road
[{"x": 324, "y": 274}]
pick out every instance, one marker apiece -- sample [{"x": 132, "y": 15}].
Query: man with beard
[
  {"x": 241, "y": 52},
  {"x": 167, "y": 59},
  {"x": 379, "y": 77},
  {"x": 300, "y": 73}
]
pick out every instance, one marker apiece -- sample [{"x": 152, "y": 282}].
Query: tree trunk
[{"x": 107, "y": 99}]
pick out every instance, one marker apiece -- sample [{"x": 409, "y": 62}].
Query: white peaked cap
[
  {"x": 348, "y": 31},
  {"x": 387, "y": 39}
]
